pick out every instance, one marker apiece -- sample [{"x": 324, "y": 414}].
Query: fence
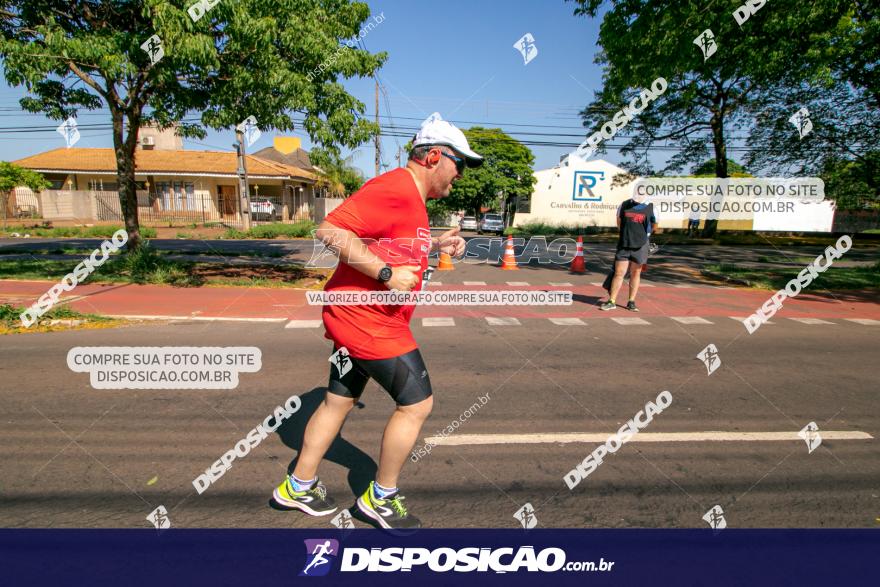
[{"x": 169, "y": 209}]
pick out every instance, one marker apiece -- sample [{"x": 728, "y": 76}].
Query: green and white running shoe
[
  {"x": 390, "y": 512},
  {"x": 313, "y": 501}
]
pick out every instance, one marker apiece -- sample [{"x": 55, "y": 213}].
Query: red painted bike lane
[{"x": 253, "y": 303}]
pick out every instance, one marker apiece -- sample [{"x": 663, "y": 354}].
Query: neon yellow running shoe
[
  {"x": 313, "y": 501},
  {"x": 390, "y": 512}
]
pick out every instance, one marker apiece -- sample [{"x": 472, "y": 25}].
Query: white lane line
[
  {"x": 568, "y": 321},
  {"x": 743, "y": 319},
  {"x": 864, "y": 321},
  {"x": 690, "y": 320},
  {"x": 201, "y": 318},
  {"x": 566, "y": 437},
  {"x": 438, "y": 322},
  {"x": 435, "y": 283},
  {"x": 815, "y": 321},
  {"x": 304, "y": 324},
  {"x": 643, "y": 284},
  {"x": 560, "y": 284},
  {"x": 631, "y": 321},
  {"x": 473, "y": 283},
  {"x": 596, "y": 283},
  {"x": 496, "y": 321},
  {"x": 682, "y": 285},
  {"x": 517, "y": 283}
]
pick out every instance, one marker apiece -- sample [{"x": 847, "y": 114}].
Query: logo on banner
[
  {"x": 320, "y": 555},
  {"x": 584, "y": 182}
]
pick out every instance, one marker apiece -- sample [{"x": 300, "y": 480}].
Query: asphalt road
[{"x": 79, "y": 457}]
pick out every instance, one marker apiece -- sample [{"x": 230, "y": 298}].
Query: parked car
[
  {"x": 468, "y": 223},
  {"x": 262, "y": 207},
  {"x": 491, "y": 223}
]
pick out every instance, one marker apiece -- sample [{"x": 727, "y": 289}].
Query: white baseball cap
[{"x": 436, "y": 131}]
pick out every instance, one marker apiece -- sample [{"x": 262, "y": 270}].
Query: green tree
[
  {"x": 340, "y": 174},
  {"x": 262, "y": 58},
  {"x": 842, "y": 97},
  {"x": 707, "y": 169},
  {"x": 708, "y": 99},
  {"x": 853, "y": 185},
  {"x": 506, "y": 170},
  {"x": 13, "y": 176}
]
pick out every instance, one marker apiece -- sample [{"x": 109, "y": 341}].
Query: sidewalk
[{"x": 271, "y": 304}]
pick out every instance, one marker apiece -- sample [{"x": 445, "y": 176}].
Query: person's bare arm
[{"x": 352, "y": 250}]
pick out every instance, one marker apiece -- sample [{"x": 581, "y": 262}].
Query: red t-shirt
[{"x": 388, "y": 213}]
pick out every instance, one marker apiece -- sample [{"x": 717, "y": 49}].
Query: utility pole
[
  {"x": 378, "y": 147},
  {"x": 243, "y": 190}
]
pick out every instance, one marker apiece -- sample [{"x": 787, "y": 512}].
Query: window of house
[
  {"x": 178, "y": 195},
  {"x": 164, "y": 194},
  {"x": 99, "y": 185}
]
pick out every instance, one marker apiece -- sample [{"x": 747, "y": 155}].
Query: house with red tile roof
[{"x": 174, "y": 185}]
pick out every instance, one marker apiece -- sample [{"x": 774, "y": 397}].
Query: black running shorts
[
  {"x": 639, "y": 255},
  {"x": 405, "y": 378}
]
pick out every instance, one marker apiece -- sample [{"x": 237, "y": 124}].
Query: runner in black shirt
[{"x": 636, "y": 222}]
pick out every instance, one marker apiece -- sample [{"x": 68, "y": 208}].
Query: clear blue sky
[{"x": 455, "y": 57}]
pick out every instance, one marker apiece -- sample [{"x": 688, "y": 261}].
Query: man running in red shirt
[{"x": 382, "y": 237}]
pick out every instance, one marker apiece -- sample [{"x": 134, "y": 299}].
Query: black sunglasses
[{"x": 459, "y": 162}]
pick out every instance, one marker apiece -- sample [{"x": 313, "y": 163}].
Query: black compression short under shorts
[{"x": 405, "y": 378}]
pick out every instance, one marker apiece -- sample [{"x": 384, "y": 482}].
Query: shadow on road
[{"x": 361, "y": 466}]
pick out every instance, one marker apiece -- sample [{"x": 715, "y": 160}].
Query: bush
[
  {"x": 107, "y": 231},
  {"x": 146, "y": 265},
  {"x": 546, "y": 229},
  {"x": 81, "y": 232},
  {"x": 10, "y": 316},
  {"x": 274, "y": 230}
]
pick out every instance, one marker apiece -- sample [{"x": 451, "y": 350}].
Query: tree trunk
[
  {"x": 717, "y": 124},
  {"x": 124, "y": 147}
]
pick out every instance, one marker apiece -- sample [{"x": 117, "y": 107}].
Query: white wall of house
[{"x": 188, "y": 197}]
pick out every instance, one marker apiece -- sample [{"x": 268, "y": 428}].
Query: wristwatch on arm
[{"x": 385, "y": 274}]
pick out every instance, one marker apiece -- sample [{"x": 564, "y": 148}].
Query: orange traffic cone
[
  {"x": 577, "y": 264},
  {"x": 445, "y": 263},
  {"x": 509, "y": 261}
]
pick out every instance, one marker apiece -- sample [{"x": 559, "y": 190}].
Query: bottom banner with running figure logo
[{"x": 438, "y": 557}]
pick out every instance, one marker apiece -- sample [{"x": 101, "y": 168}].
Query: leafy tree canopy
[
  {"x": 506, "y": 170},
  {"x": 264, "y": 58}
]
